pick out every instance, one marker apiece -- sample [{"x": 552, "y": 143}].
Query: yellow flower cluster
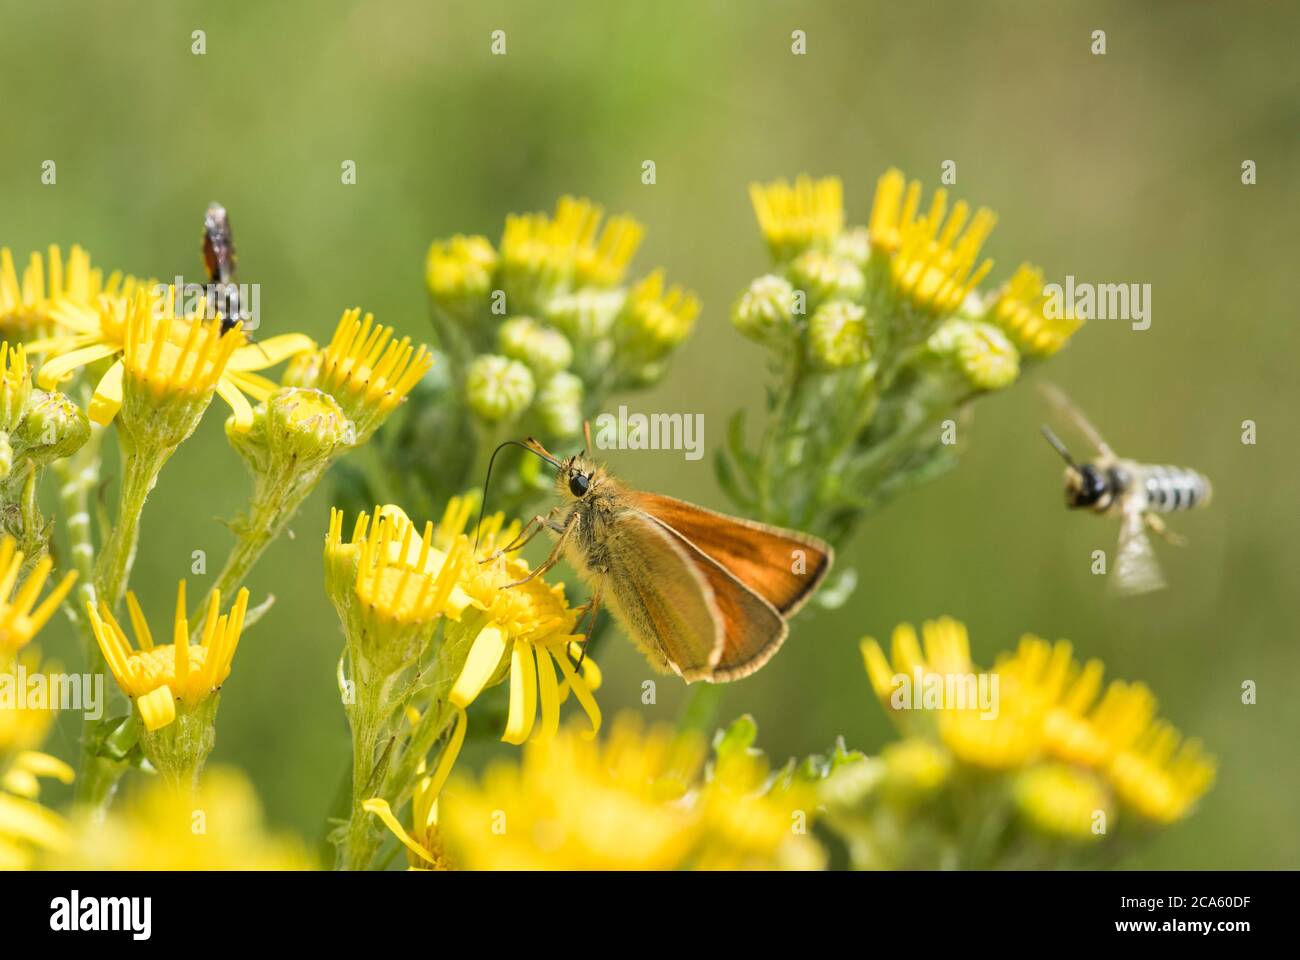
[
  {"x": 1050, "y": 709},
  {"x": 635, "y": 802}
]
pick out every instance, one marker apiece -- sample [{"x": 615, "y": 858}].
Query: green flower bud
[
  {"x": 498, "y": 388},
  {"x": 914, "y": 769},
  {"x": 585, "y": 315},
  {"x": 295, "y": 431},
  {"x": 765, "y": 312},
  {"x": 53, "y": 428},
  {"x": 989, "y": 360},
  {"x": 825, "y": 276},
  {"x": 559, "y": 404},
  {"x": 545, "y": 350},
  {"x": 853, "y": 245},
  {"x": 838, "y": 334}
]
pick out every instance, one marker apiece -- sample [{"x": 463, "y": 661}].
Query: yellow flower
[
  {"x": 573, "y": 804},
  {"x": 1018, "y": 311},
  {"x": 459, "y": 270},
  {"x": 165, "y": 356},
  {"x": 934, "y": 269},
  {"x": 1048, "y": 708},
  {"x": 157, "y": 678},
  {"x": 20, "y": 618},
  {"x": 635, "y": 802},
  {"x": 570, "y": 247},
  {"x": 1062, "y": 801},
  {"x": 794, "y": 218},
  {"x": 423, "y": 842},
  {"x": 390, "y": 584},
  {"x": 364, "y": 369},
  {"x": 655, "y": 320},
  {"x": 221, "y": 828},
  {"x": 15, "y": 386},
  {"x": 27, "y": 307}
]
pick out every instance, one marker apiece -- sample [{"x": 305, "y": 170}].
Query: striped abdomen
[{"x": 1173, "y": 488}]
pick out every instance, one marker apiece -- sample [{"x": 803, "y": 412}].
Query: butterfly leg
[
  {"x": 531, "y": 529},
  {"x": 555, "y": 556},
  {"x": 592, "y": 607},
  {"x": 1159, "y": 528}
]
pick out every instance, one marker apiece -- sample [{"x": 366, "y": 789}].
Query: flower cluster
[
  {"x": 429, "y": 629},
  {"x": 1052, "y": 768},
  {"x": 537, "y": 331},
  {"x": 878, "y": 335},
  {"x": 642, "y": 800}
]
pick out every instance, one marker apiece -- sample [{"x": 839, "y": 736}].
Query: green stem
[
  {"x": 140, "y": 469},
  {"x": 369, "y": 721}
]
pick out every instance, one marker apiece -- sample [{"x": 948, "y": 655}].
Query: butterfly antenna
[
  {"x": 482, "y": 506},
  {"x": 1060, "y": 447},
  {"x": 586, "y": 432}
]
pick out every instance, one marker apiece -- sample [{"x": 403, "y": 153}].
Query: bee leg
[
  {"x": 555, "y": 556},
  {"x": 1158, "y": 527}
]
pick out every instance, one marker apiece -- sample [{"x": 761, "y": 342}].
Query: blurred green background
[{"x": 1115, "y": 168}]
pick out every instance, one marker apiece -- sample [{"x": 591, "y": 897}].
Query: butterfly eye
[{"x": 578, "y": 484}]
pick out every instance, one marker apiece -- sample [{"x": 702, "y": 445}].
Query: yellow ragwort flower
[
  {"x": 20, "y": 617},
  {"x": 364, "y": 369},
  {"x": 27, "y": 308},
  {"x": 1018, "y": 311},
  {"x": 15, "y": 387},
  {"x": 157, "y": 678},
  {"x": 793, "y": 218},
  {"x": 220, "y": 828},
  {"x": 655, "y": 319},
  {"x": 460, "y": 269},
  {"x": 1062, "y": 801},
  {"x": 571, "y": 246},
  {"x": 1049, "y": 708},
  {"x": 932, "y": 268},
  {"x": 573, "y": 804},
  {"x": 166, "y": 355}
]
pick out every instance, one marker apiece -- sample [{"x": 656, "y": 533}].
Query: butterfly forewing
[{"x": 781, "y": 566}]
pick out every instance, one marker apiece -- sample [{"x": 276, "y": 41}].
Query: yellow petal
[
  {"x": 44, "y": 765},
  {"x": 523, "y": 694},
  {"x": 448, "y": 759},
  {"x": 269, "y": 352},
  {"x": 239, "y": 404},
  {"x": 384, "y": 812},
  {"x": 108, "y": 396},
  {"x": 255, "y": 385},
  {"x": 157, "y": 708},
  {"x": 550, "y": 693},
  {"x": 62, "y": 367},
  {"x": 583, "y": 693},
  {"x": 31, "y": 822},
  {"x": 483, "y": 660}
]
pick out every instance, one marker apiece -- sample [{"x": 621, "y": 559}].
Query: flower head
[
  {"x": 765, "y": 311},
  {"x": 20, "y": 616},
  {"x": 459, "y": 271},
  {"x": 27, "y": 307},
  {"x": 1019, "y": 311},
  {"x": 545, "y": 350},
  {"x": 551, "y": 254},
  {"x": 498, "y": 388},
  {"x": 152, "y": 831},
  {"x": 163, "y": 360},
  {"x": 1062, "y": 801},
  {"x": 178, "y": 675},
  {"x": 838, "y": 334},
  {"x": 364, "y": 369},
  {"x": 933, "y": 257},
  {"x": 655, "y": 320},
  {"x": 793, "y": 218},
  {"x": 15, "y": 385}
]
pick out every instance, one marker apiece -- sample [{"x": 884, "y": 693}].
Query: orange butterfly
[{"x": 703, "y": 595}]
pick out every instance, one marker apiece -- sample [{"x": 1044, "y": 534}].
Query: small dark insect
[{"x": 219, "y": 260}]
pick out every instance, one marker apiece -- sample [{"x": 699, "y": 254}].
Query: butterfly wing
[
  {"x": 781, "y": 566},
  {"x": 751, "y": 628},
  {"x": 660, "y": 597}
]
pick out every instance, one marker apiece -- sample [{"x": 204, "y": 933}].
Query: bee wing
[
  {"x": 1057, "y": 398},
  {"x": 1136, "y": 568}
]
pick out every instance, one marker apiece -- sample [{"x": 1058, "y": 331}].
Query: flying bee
[
  {"x": 220, "y": 261},
  {"x": 703, "y": 595},
  {"x": 1137, "y": 493}
]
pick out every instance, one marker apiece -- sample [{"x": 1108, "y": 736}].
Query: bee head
[{"x": 1086, "y": 486}]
